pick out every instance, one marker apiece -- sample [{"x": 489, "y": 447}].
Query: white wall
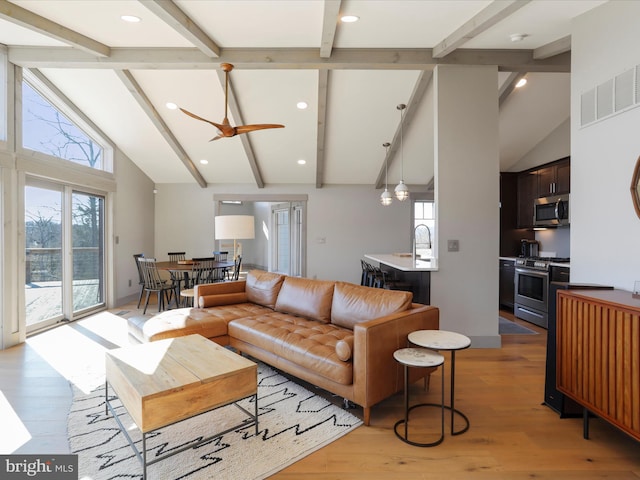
[
  {"x": 349, "y": 218},
  {"x": 554, "y": 146},
  {"x": 132, "y": 225},
  {"x": 605, "y": 230},
  {"x": 467, "y": 194}
]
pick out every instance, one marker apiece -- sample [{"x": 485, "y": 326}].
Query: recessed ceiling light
[
  {"x": 521, "y": 83},
  {"x": 302, "y": 162},
  {"x": 171, "y": 106},
  {"x": 204, "y": 161},
  {"x": 302, "y": 105},
  {"x": 349, "y": 18},
  {"x": 130, "y": 18}
]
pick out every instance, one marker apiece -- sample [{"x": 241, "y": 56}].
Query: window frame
[{"x": 50, "y": 93}]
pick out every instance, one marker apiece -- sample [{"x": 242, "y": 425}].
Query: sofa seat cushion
[
  {"x": 307, "y": 343},
  {"x": 209, "y": 323}
]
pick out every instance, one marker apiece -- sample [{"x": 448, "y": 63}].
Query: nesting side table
[
  {"x": 418, "y": 357},
  {"x": 444, "y": 340}
]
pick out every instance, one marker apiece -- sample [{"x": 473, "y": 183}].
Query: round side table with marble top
[
  {"x": 451, "y": 341},
  {"x": 421, "y": 358}
]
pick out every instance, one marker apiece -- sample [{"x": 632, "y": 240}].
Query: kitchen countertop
[{"x": 404, "y": 262}]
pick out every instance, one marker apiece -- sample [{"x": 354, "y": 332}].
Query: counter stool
[
  {"x": 444, "y": 340},
  {"x": 418, "y": 357}
]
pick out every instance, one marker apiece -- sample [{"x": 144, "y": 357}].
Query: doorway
[
  {"x": 287, "y": 247},
  {"x": 280, "y": 241}
]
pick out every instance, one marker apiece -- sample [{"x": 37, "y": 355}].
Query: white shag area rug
[{"x": 293, "y": 422}]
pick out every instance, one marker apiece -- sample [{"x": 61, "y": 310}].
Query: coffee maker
[{"x": 529, "y": 248}]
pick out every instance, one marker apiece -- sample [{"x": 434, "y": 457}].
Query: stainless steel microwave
[{"x": 551, "y": 211}]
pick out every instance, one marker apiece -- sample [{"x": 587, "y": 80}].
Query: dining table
[{"x": 180, "y": 270}]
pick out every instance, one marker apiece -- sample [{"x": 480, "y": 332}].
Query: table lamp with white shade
[{"x": 234, "y": 227}]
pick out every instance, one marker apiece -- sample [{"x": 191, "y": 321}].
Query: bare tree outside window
[{"x": 45, "y": 129}]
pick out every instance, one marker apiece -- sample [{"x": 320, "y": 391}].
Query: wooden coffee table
[{"x": 165, "y": 382}]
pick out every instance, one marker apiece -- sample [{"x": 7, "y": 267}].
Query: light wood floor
[{"x": 512, "y": 435}]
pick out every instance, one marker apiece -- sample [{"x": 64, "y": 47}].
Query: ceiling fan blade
[
  {"x": 261, "y": 126},
  {"x": 217, "y": 137},
  {"x": 193, "y": 115}
]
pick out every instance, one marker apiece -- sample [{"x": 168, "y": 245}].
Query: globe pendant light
[
  {"x": 386, "y": 198},
  {"x": 401, "y": 190}
]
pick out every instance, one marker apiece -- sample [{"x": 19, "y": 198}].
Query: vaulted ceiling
[{"x": 351, "y": 75}]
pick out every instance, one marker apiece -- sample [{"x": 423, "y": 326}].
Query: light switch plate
[{"x": 453, "y": 245}]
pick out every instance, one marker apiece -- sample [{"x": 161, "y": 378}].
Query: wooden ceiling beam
[
  {"x": 495, "y": 12},
  {"x": 284, "y": 59},
  {"x": 138, "y": 93},
  {"x": 415, "y": 99},
  {"x": 245, "y": 139},
  {"x": 329, "y": 26},
  {"x": 323, "y": 94},
  {"x": 32, "y": 21},
  {"x": 509, "y": 86},
  {"x": 173, "y": 16},
  {"x": 561, "y": 45}
]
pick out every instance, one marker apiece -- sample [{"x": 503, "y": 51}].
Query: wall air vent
[
  {"x": 604, "y": 99},
  {"x": 616, "y": 95},
  {"x": 588, "y": 107},
  {"x": 624, "y": 90}
]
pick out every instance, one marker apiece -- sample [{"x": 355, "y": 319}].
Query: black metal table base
[
  {"x": 142, "y": 455},
  {"x": 464, "y": 417},
  {"x": 404, "y": 422},
  {"x": 407, "y": 410}
]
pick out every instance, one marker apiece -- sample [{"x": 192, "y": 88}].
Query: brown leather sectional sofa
[{"x": 336, "y": 335}]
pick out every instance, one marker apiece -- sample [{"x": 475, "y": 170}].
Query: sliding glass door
[
  {"x": 44, "y": 265},
  {"x": 64, "y": 247}
]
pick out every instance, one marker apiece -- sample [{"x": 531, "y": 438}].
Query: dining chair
[
  {"x": 136, "y": 256},
  {"x": 222, "y": 273},
  {"x": 182, "y": 278},
  {"x": 203, "y": 270},
  {"x": 176, "y": 256},
  {"x": 154, "y": 284},
  {"x": 235, "y": 275}
]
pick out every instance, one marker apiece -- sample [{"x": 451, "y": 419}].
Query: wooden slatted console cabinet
[{"x": 598, "y": 354}]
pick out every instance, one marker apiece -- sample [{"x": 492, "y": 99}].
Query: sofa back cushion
[
  {"x": 263, "y": 287},
  {"x": 222, "y": 299},
  {"x": 306, "y": 298},
  {"x": 354, "y": 304}
]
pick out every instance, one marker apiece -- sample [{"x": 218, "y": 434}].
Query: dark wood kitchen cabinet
[
  {"x": 507, "y": 272},
  {"x": 550, "y": 179},
  {"x": 510, "y": 234},
  {"x": 554, "y": 179},
  {"x": 527, "y": 192}
]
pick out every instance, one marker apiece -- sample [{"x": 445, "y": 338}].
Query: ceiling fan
[{"x": 225, "y": 129}]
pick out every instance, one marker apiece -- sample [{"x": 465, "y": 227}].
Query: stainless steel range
[{"x": 532, "y": 288}]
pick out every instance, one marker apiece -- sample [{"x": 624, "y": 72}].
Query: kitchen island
[{"x": 402, "y": 267}]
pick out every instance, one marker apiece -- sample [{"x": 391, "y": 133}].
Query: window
[
  {"x": 424, "y": 228},
  {"x": 47, "y": 130}
]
